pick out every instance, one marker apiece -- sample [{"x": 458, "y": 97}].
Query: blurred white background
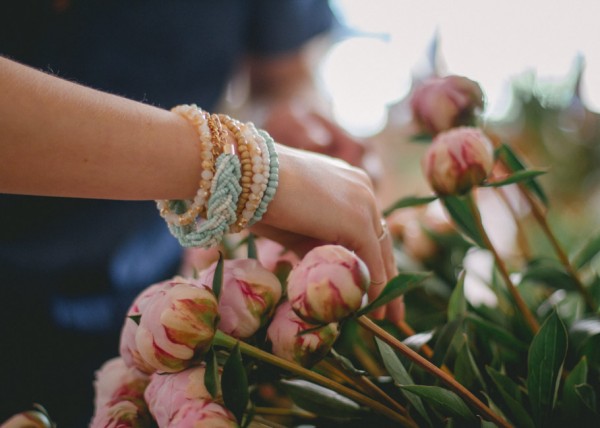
[{"x": 385, "y": 43}]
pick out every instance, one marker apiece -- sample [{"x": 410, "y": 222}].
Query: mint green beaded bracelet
[
  {"x": 273, "y": 179},
  {"x": 221, "y": 211}
]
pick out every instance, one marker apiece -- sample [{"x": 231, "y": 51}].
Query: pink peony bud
[
  {"x": 203, "y": 414},
  {"x": 304, "y": 349},
  {"x": 29, "y": 419},
  {"x": 328, "y": 284},
  {"x": 177, "y": 325},
  {"x": 127, "y": 347},
  {"x": 273, "y": 256},
  {"x": 120, "y": 396},
  {"x": 248, "y": 296},
  {"x": 197, "y": 259},
  {"x": 441, "y": 103},
  {"x": 457, "y": 160},
  {"x": 167, "y": 393}
]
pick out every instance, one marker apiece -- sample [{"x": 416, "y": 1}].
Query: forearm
[{"x": 58, "y": 138}]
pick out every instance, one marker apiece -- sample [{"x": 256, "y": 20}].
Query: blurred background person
[{"x": 70, "y": 267}]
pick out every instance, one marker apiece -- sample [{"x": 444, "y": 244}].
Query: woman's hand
[{"x": 325, "y": 200}]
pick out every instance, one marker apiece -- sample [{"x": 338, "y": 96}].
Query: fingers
[
  {"x": 394, "y": 309},
  {"x": 342, "y": 145},
  {"x": 372, "y": 257},
  {"x": 332, "y": 202}
]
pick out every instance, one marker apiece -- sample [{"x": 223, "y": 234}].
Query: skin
[
  {"x": 58, "y": 138},
  {"x": 297, "y": 114}
]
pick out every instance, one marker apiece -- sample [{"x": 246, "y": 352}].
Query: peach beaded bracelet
[{"x": 235, "y": 188}]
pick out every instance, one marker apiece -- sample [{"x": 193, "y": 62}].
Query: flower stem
[
  {"x": 540, "y": 217},
  {"x": 222, "y": 339},
  {"x": 523, "y": 308},
  {"x": 486, "y": 412},
  {"x": 278, "y": 411},
  {"x": 409, "y": 331},
  {"x": 362, "y": 382},
  {"x": 425, "y": 349}
]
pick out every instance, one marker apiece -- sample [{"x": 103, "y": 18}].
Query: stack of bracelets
[{"x": 236, "y": 185}]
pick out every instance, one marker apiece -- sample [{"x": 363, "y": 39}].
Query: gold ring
[
  {"x": 378, "y": 282},
  {"x": 384, "y": 231}
]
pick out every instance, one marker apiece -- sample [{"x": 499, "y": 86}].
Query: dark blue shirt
[{"x": 88, "y": 258}]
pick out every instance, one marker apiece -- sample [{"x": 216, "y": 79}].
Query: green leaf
[
  {"x": 234, "y": 383},
  {"x": 544, "y": 364},
  {"x": 459, "y": 210},
  {"x": 135, "y": 318},
  {"x": 310, "y": 330},
  {"x": 457, "y": 305},
  {"x": 511, "y": 394},
  {"x": 549, "y": 272},
  {"x": 408, "y": 201},
  {"x": 398, "y": 372},
  {"x": 465, "y": 368},
  {"x": 587, "y": 252},
  {"x": 447, "y": 402},
  {"x": 442, "y": 348},
  {"x": 320, "y": 400},
  {"x": 251, "y": 244},
  {"x": 511, "y": 160},
  {"x": 516, "y": 177},
  {"x": 587, "y": 395},
  {"x": 249, "y": 416},
  {"x": 211, "y": 374},
  {"x": 512, "y": 399},
  {"x": 570, "y": 399},
  {"x": 345, "y": 363},
  {"x": 218, "y": 277},
  {"x": 396, "y": 287},
  {"x": 496, "y": 333}
]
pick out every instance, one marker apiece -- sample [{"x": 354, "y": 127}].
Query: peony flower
[
  {"x": 457, "y": 160},
  {"x": 304, "y": 349},
  {"x": 127, "y": 346},
  {"x": 275, "y": 257},
  {"x": 414, "y": 226},
  {"x": 248, "y": 296},
  {"x": 28, "y": 419},
  {"x": 119, "y": 398},
  {"x": 202, "y": 414},
  {"x": 197, "y": 259},
  {"x": 177, "y": 325},
  {"x": 328, "y": 284},
  {"x": 167, "y": 393},
  {"x": 441, "y": 103}
]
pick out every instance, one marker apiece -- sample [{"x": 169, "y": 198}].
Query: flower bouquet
[{"x": 272, "y": 340}]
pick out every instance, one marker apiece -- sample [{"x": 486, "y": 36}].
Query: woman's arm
[{"x": 58, "y": 138}]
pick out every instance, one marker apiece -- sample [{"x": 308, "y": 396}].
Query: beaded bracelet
[
  {"x": 234, "y": 190},
  {"x": 244, "y": 152},
  {"x": 221, "y": 212},
  {"x": 260, "y": 177},
  {"x": 273, "y": 179},
  {"x": 188, "y": 211}
]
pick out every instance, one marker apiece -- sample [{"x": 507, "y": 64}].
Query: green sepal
[
  {"x": 408, "y": 201},
  {"x": 234, "y": 383},
  {"x": 217, "y": 282}
]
